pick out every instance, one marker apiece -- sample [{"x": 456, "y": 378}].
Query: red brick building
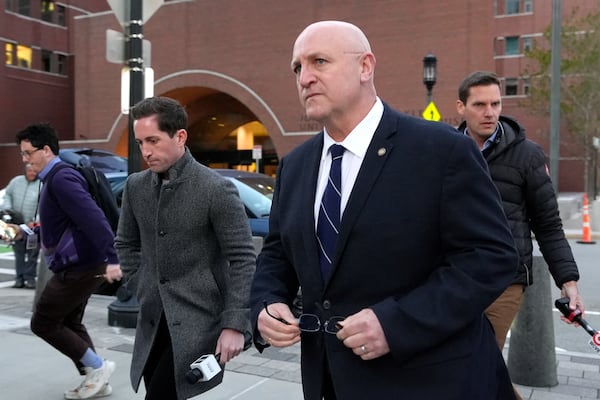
[
  {"x": 228, "y": 62},
  {"x": 37, "y": 77}
]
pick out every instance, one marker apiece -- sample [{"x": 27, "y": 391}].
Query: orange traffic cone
[{"x": 587, "y": 232}]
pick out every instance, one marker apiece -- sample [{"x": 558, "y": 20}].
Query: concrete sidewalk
[{"x": 31, "y": 369}]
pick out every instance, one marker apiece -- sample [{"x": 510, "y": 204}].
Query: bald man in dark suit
[{"x": 394, "y": 310}]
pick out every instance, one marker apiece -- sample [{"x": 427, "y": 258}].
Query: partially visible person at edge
[
  {"x": 21, "y": 197},
  {"x": 78, "y": 246},
  {"x": 423, "y": 247},
  {"x": 518, "y": 168},
  {"x": 185, "y": 245}
]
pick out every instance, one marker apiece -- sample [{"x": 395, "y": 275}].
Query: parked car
[
  {"x": 102, "y": 160},
  {"x": 117, "y": 183},
  {"x": 256, "y": 192}
]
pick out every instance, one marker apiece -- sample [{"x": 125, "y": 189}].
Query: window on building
[
  {"x": 9, "y": 49},
  {"x": 528, "y": 6},
  {"x": 24, "y": 7},
  {"x": 60, "y": 16},
  {"x": 512, "y": 6},
  {"x": 47, "y": 11},
  {"x": 61, "y": 64},
  {"x": 24, "y": 56},
  {"x": 511, "y": 86},
  {"x": 511, "y": 45},
  {"x": 527, "y": 44},
  {"x": 47, "y": 60}
]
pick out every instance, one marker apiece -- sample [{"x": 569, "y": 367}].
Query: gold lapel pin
[{"x": 381, "y": 152}]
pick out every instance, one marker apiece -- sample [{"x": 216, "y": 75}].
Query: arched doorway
[{"x": 222, "y": 131}]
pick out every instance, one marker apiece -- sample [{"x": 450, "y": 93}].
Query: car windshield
[{"x": 257, "y": 194}]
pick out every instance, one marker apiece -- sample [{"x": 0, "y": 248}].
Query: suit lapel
[
  {"x": 312, "y": 162},
  {"x": 375, "y": 158}
]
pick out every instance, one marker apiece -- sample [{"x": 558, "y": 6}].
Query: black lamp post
[{"x": 429, "y": 73}]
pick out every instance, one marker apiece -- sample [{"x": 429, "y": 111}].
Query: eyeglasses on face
[
  {"x": 28, "y": 153},
  {"x": 311, "y": 322}
]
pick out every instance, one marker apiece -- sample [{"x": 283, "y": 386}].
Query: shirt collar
[
  {"x": 358, "y": 140},
  {"x": 492, "y": 139},
  {"x": 44, "y": 172}
]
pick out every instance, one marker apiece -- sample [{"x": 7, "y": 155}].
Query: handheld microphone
[
  {"x": 562, "y": 305},
  {"x": 203, "y": 369}
]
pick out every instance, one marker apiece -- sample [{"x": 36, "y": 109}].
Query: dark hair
[
  {"x": 477, "y": 78},
  {"x": 40, "y": 135},
  {"x": 171, "y": 115}
]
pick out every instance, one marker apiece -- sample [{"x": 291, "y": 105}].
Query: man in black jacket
[{"x": 518, "y": 168}]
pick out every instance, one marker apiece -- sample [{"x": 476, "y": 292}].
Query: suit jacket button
[
  {"x": 162, "y": 233},
  {"x": 326, "y": 304}
]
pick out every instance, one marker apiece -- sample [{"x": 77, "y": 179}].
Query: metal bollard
[{"x": 531, "y": 354}]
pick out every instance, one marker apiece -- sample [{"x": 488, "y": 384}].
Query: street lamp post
[
  {"x": 429, "y": 73},
  {"x": 135, "y": 62}
]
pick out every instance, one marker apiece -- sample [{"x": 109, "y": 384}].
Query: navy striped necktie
[{"x": 328, "y": 223}]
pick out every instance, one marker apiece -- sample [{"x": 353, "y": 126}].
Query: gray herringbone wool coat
[{"x": 186, "y": 249}]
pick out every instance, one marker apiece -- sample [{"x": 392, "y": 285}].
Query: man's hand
[
  {"x": 10, "y": 232},
  {"x": 570, "y": 290},
  {"x": 113, "y": 273},
  {"x": 363, "y": 333},
  {"x": 274, "y": 331},
  {"x": 229, "y": 345}
]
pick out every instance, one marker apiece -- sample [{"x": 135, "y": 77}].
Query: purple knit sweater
[{"x": 71, "y": 206}]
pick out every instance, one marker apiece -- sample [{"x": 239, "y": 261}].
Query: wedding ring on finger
[{"x": 363, "y": 349}]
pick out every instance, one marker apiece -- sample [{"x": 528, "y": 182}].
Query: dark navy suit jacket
[{"x": 423, "y": 242}]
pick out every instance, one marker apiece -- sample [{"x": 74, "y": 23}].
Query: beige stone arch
[{"x": 212, "y": 99}]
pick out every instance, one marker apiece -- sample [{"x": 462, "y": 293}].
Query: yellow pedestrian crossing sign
[{"x": 431, "y": 112}]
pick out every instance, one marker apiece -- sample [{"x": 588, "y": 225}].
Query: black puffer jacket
[{"x": 518, "y": 168}]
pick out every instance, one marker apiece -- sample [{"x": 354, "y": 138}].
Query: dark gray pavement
[{"x": 31, "y": 369}]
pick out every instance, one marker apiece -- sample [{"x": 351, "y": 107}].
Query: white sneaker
[
  {"x": 95, "y": 379},
  {"x": 73, "y": 394}
]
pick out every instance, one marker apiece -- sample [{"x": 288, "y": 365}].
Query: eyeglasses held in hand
[{"x": 311, "y": 322}]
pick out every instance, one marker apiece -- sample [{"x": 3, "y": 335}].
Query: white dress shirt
[{"x": 356, "y": 145}]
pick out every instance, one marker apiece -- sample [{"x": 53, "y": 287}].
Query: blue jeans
[{"x": 25, "y": 261}]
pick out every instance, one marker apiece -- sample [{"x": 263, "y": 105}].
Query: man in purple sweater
[{"x": 78, "y": 244}]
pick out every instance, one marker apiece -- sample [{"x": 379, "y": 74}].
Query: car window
[
  {"x": 263, "y": 185},
  {"x": 117, "y": 183},
  {"x": 255, "y": 196}
]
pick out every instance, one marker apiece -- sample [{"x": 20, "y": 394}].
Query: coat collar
[{"x": 176, "y": 170}]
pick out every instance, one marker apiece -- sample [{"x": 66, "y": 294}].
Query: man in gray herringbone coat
[{"x": 186, "y": 249}]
